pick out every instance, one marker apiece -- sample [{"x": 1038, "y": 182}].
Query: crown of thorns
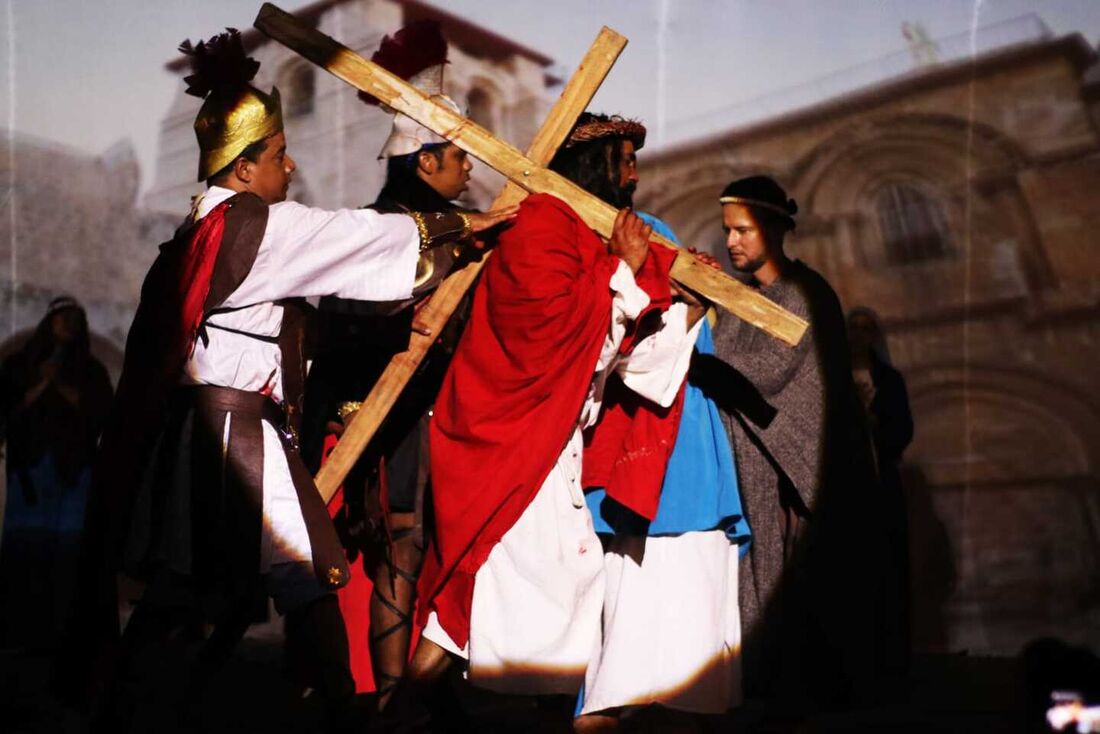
[{"x": 614, "y": 127}]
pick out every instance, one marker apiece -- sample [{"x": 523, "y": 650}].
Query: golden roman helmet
[
  {"x": 234, "y": 114},
  {"x": 229, "y": 123}
]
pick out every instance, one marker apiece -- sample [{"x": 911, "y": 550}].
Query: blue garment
[{"x": 700, "y": 489}]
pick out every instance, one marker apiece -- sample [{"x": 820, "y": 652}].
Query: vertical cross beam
[
  {"x": 526, "y": 174},
  {"x": 574, "y": 99}
]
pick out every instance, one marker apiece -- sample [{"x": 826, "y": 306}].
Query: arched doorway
[{"x": 1004, "y": 461}]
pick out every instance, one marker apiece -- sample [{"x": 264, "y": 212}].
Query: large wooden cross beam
[{"x": 526, "y": 174}]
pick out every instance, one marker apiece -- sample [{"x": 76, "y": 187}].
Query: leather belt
[{"x": 249, "y": 403}]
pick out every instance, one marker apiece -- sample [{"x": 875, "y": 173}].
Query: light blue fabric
[{"x": 700, "y": 489}]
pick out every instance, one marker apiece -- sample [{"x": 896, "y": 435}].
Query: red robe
[{"x": 515, "y": 388}]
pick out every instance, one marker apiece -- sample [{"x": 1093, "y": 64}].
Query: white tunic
[
  {"x": 671, "y": 625},
  {"x": 352, "y": 253},
  {"x": 535, "y": 618}
]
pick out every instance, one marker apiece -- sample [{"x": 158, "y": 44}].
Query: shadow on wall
[
  {"x": 932, "y": 565},
  {"x": 822, "y": 606}
]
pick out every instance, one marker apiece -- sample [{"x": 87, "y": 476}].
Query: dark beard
[
  {"x": 751, "y": 266},
  {"x": 620, "y": 196}
]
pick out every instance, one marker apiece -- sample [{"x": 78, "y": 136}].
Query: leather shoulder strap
[{"x": 245, "y": 223}]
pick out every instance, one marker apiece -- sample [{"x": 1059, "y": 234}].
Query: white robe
[
  {"x": 671, "y": 625},
  {"x": 535, "y": 618},
  {"x": 351, "y": 253}
]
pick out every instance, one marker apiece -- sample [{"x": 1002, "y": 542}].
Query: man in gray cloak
[{"x": 805, "y": 467}]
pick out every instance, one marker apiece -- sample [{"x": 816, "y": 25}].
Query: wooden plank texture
[
  {"x": 434, "y": 315},
  {"x": 517, "y": 167},
  {"x": 526, "y": 173}
]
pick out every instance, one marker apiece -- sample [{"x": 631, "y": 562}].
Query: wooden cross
[{"x": 526, "y": 174}]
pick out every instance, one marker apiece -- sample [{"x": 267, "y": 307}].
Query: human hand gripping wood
[
  {"x": 697, "y": 304},
  {"x": 630, "y": 239},
  {"x": 526, "y": 173},
  {"x": 433, "y": 316}
]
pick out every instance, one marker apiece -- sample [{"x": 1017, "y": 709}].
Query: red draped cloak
[{"x": 515, "y": 389}]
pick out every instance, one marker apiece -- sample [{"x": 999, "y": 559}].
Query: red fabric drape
[
  {"x": 160, "y": 340},
  {"x": 196, "y": 268},
  {"x": 628, "y": 450},
  {"x": 515, "y": 389}
]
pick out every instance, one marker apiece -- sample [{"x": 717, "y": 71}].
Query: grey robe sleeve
[{"x": 790, "y": 380}]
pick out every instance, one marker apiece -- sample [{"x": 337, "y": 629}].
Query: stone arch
[
  {"x": 968, "y": 170},
  {"x": 972, "y": 423},
  {"x": 877, "y": 140},
  {"x": 1017, "y": 503},
  {"x": 484, "y": 105}
]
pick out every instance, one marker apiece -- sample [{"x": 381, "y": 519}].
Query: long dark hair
[{"x": 594, "y": 165}]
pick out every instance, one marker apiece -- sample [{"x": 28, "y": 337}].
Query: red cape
[{"x": 515, "y": 388}]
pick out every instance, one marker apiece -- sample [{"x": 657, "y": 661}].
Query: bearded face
[
  {"x": 607, "y": 169},
  {"x": 624, "y": 173}
]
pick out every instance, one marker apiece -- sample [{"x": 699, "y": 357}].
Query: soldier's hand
[
  {"x": 630, "y": 239},
  {"x": 481, "y": 221}
]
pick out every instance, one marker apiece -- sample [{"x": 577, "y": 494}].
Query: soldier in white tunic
[{"x": 199, "y": 467}]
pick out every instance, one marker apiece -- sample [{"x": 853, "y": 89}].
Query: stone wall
[
  {"x": 998, "y": 336},
  {"x": 76, "y": 231},
  {"x": 335, "y": 138}
]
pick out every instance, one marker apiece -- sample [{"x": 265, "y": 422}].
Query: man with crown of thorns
[
  {"x": 199, "y": 488},
  {"x": 513, "y": 580}
]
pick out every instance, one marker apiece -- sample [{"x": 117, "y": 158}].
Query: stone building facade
[
  {"x": 78, "y": 234},
  {"x": 959, "y": 201},
  {"x": 86, "y": 233},
  {"x": 335, "y": 138}
]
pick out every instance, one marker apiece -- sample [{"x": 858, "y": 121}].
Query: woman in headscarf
[{"x": 55, "y": 396}]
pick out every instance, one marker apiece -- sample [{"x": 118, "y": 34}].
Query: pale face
[{"x": 745, "y": 240}]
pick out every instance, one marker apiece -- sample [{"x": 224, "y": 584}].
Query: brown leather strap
[
  {"x": 330, "y": 562},
  {"x": 292, "y": 347},
  {"x": 241, "y": 481},
  {"x": 245, "y": 223},
  {"x": 227, "y": 501}
]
